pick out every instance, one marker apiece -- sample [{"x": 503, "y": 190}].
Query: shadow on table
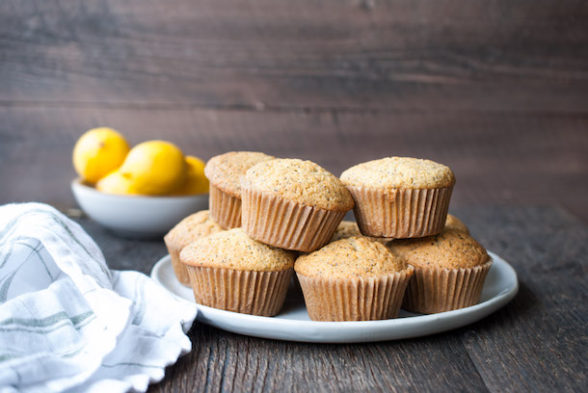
[{"x": 520, "y": 307}]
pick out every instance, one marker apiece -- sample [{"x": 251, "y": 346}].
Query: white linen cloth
[{"x": 68, "y": 323}]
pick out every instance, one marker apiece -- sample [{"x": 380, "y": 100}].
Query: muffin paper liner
[
  {"x": 243, "y": 291},
  {"x": 355, "y": 299},
  {"x": 225, "y": 209},
  {"x": 437, "y": 290},
  {"x": 401, "y": 213},
  {"x": 179, "y": 268},
  {"x": 286, "y": 224}
]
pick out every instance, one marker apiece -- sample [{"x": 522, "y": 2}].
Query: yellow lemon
[
  {"x": 196, "y": 182},
  {"x": 154, "y": 168},
  {"x": 98, "y": 152},
  {"x": 115, "y": 183}
]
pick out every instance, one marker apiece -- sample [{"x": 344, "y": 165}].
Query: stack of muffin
[{"x": 272, "y": 217}]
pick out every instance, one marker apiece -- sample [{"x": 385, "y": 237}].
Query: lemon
[
  {"x": 154, "y": 168},
  {"x": 196, "y": 182},
  {"x": 115, "y": 183},
  {"x": 98, "y": 152}
]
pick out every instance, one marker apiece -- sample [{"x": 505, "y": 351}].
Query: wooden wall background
[{"x": 497, "y": 89}]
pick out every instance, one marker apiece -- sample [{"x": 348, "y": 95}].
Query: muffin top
[
  {"x": 299, "y": 181},
  {"x": 193, "y": 227},
  {"x": 450, "y": 249},
  {"x": 352, "y": 257},
  {"x": 455, "y": 223},
  {"x": 233, "y": 249},
  {"x": 399, "y": 172},
  {"x": 344, "y": 230},
  {"x": 225, "y": 171},
  {"x": 347, "y": 229}
]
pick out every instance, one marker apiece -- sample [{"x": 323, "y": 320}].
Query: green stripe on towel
[{"x": 47, "y": 321}]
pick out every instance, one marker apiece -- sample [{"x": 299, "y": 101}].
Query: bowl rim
[{"x": 78, "y": 183}]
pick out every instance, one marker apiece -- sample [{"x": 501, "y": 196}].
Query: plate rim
[{"x": 470, "y": 315}]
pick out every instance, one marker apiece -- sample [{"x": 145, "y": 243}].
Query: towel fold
[{"x": 67, "y": 322}]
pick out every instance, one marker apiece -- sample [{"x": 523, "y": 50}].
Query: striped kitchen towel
[{"x": 67, "y": 322}]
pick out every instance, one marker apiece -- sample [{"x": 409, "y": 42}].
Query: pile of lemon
[{"x": 102, "y": 158}]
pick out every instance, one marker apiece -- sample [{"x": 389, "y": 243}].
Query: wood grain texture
[
  {"x": 480, "y": 86},
  {"x": 396, "y": 55},
  {"x": 509, "y": 159},
  {"x": 496, "y": 89},
  {"x": 538, "y": 331},
  {"x": 536, "y": 343}
]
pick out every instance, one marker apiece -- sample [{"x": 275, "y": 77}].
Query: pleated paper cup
[
  {"x": 225, "y": 208},
  {"x": 282, "y": 223},
  {"x": 243, "y": 291},
  {"x": 401, "y": 213},
  {"x": 179, "y": 268},
  {"x": 357, "y": 299},
  {"x": 437, "y": 290}
]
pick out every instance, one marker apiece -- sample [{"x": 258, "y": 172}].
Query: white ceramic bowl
[{"x": 133, "y": 215}]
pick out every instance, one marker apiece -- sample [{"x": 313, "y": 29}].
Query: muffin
[
  {"x": 344, "y": 230},
  {"x": 352, "y": 279},
  {"x": 347, "y": 229},
  {"x": 185, "y": 232},
  {"x": 224, "y": 173},
  {"x": 292, "y": 204},
  {"x": 455, "y": 223},
  {"x": 450, "y": 269},
  {"x": 231, "y": 271},
  {"x": 400, "y": 197}
]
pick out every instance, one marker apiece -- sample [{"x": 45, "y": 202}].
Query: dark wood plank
[
  {"x": 227, "y": 362},
  {"x": 479, "y": 86},
  {"x": 536, "y": 343},
  {"x": 495, "y": 89},
  {"x": 396, "y": 55},
  {"x": 511, "y": 159},
  {"x": 539, "y": 342}
]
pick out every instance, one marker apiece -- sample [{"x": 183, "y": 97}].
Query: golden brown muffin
[
  {"x": 299, "y": 181},
  {"x": 344, "y": 230},
  {"x": 186, "y": 231},
  {"x": 347, "y": 229},
  {"x": 400, "y": 197},
  {"x": 352, "y": 279},
  {"x": 231, "y": 271},
  {"x": 292, "y": 204},
  {"x": 224, "y": 173},
  {"x": 455, "y": 223},
  {"x": 450, "y": 269},
  {"x": 399, "y": 172}
]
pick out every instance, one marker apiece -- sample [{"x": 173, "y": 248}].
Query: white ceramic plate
[{"x": 293, "y": 323}]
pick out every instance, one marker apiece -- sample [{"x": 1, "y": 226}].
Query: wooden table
[
  {"x": 495, "y": 89},
  {"x": 536, "y": 343}
]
